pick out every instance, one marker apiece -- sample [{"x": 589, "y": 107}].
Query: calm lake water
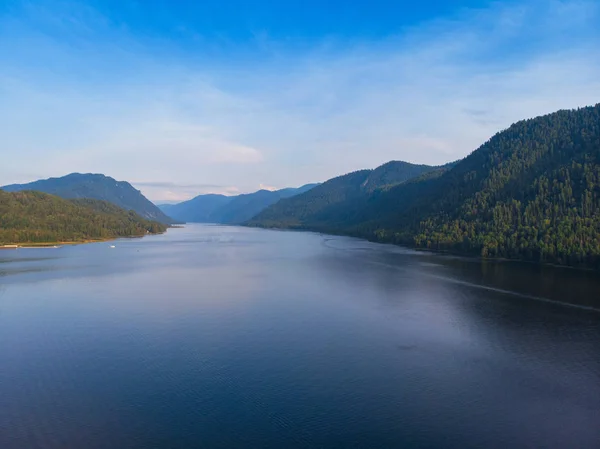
[{"x": 213, "y": 336}]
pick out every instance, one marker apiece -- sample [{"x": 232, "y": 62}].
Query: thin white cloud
[
  {"x": 267, "y": 187},
  {"x": 428, "y": 95},
  {"x": 175, "y": 195}
]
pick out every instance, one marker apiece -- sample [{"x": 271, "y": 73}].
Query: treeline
[
  {"x": 531, "y": 192},
  {"x": 35, "y": 217}
]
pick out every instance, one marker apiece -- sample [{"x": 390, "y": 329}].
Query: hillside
[
  {"x": 98, "y": 187},
  {"x": 333, "y": 200},
  {"x": 531, "y": 192},
  {"x": 36, "y": 217},
  {"x": 229, "y": 209}
]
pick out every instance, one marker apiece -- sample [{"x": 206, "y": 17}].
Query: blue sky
[{"x": 189, "y": 97}]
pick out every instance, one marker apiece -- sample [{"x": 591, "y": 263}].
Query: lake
[{"x": 212, "y": 336}]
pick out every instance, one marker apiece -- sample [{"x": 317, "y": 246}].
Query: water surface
[{"x": 213, "y": 336}]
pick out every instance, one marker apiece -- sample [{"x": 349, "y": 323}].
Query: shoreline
[
  {"x": 52, "y": 244},
  {"x": 450, "y": 253},
  {"x": 30, "y": 245}
]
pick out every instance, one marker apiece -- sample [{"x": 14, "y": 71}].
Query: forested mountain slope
[
  {"x": 332, "y": 201},
  {"x": 36, "y": 217},
  {"x": 98, "y": 187},
  {"x": 531, "y": 192}
]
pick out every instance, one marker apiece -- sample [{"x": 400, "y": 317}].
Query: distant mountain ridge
[
  {"x": 200, "y": 209},
  {"x": 531, "y": 192},
  {"x": 98, "y": 187},
  {"x": 214, "y": 208}
]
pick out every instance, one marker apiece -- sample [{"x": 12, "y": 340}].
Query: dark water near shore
[{"x": 215, "y": 336}]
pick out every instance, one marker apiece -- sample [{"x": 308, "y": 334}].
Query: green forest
[
  {"x": 329, "y": 204},
  {"x": 35, "y": 217},
  {"x": 532, "y": 192},
  {"x": 97, "y": 187}
]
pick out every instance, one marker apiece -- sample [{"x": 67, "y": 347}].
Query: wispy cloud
[
  {"x": 170, "y": 192},
  {"x": 86, "y": 95},
  {"x": 267, "y": 187},
  {"x": 173, "y": 185}
]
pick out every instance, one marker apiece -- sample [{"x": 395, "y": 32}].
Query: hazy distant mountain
[
  {"x": 98, "y": 187},
  {"x": 530, "y": 192},
  {"x": 200, "y": 209},
  {"x": 214, "y": 208}
]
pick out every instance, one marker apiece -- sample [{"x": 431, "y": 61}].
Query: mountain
[
  {"x": 228, "y": 209},
  {"x": 98, "y": 187},
  {"x": 36, "y": 217},
  {"x": 200, "y": 209},
  {"x": 332, "y": 200},
  {"x": 243, "y": 207},
  {"x": 531, "y": 192}
]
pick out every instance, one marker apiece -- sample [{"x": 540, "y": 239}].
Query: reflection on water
[{"x": 213, "y": 336}]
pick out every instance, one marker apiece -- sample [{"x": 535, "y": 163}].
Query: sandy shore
[{"x": 51, "y": 244}]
